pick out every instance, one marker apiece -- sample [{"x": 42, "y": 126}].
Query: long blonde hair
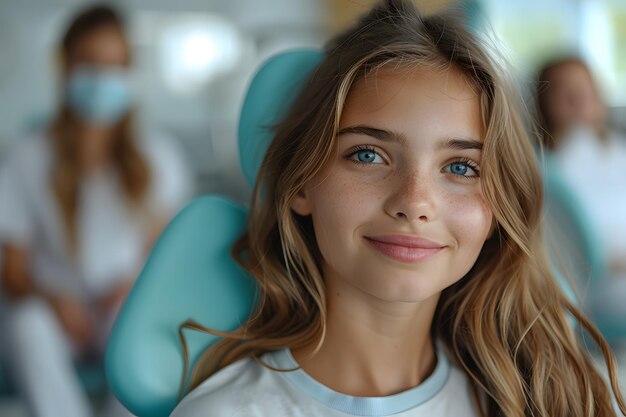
[
  {"x": 130, "y": 164},
  {"x": 505, "y": 322}
]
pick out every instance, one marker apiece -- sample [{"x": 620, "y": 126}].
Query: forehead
[
  {"x": 102, "y": 45},
  {"x": 417, "y": 101},
  {"x": 570, "y": 73}
]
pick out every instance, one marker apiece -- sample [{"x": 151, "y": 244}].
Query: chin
[{"x": 411, "y": 293}]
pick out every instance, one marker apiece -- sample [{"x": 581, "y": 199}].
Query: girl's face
[{"x": 398, "y": 212}]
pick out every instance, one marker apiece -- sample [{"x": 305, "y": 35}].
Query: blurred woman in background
[
  {"x": 591, "y": 158},
  {"x": 569, "y": 98},
  {"x": 80, "y": 205}
]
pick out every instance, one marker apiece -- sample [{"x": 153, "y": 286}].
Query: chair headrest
[
  {"x": 270, "y": 94},
  {"x": 189, "y": 275}
]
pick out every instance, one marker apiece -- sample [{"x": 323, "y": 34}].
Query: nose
[{"x": 412, "y": 198}]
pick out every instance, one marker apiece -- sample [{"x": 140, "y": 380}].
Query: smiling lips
[{"x": 405, "y": 248}]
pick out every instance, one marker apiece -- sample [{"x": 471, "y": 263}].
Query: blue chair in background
[
  {"x": 190, "y": 273},
  {"x": 576, "y": 251},
  {"x": 580, "y": 253},
  {"x": 573, "y": 247}
]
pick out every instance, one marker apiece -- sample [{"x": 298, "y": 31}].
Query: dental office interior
[{"x": 192, "y": 61}]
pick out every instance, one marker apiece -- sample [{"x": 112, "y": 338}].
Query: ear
[{"x": 301, "y": 204}]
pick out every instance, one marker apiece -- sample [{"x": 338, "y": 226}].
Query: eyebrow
[
  {"x": 389, "y": 136},
  {"x": 380, "y": 134},
  {"x": 461, "y": 144}
]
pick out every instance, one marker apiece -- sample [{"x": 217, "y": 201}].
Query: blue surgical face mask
[{"x": 99, "y": 96}]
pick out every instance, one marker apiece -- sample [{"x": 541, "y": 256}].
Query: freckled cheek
[
  {"x": 345, "y": 199},
  {"x": 469, "y": 217},
  {"x": 339, "y": 207}
]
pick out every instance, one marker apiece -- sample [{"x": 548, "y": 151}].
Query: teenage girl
[{"x": 395, "y": 235}]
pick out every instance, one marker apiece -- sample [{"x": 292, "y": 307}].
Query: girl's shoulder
[{"x": 236, "y": 390}]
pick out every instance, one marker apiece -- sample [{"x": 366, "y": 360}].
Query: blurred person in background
[
  {"x": 568, "y": 98},
  {"x": 80, "y": 205},
  {"x": 591, "y": 158}
]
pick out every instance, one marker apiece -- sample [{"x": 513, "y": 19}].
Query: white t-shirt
[
  {"x": 248, "y": 389},
  {"x": 112, "y": 237}
]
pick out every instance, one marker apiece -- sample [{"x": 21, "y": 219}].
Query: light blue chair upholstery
[
  {"x": 190, "y": 273},
  {"x": 576, "y": 252},
  {"x": 580, "y": 254},
  {"x": 573, "y": 247},
  {"x": 269, "y": 96}
]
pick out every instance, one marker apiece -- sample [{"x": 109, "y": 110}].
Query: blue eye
[
  {"x": 458, "y": 169},
  {"x": 366, "y": 156},
  {"x": 462, "y": 168}
]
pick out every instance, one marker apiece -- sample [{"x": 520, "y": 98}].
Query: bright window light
[{"x": 197, "y": 48}]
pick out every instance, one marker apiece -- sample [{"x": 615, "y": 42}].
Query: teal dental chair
[
  {"x": 573, "y": 247},
  {"x": 190, "y": 273},
  {"x": 577, "y": 252}
]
